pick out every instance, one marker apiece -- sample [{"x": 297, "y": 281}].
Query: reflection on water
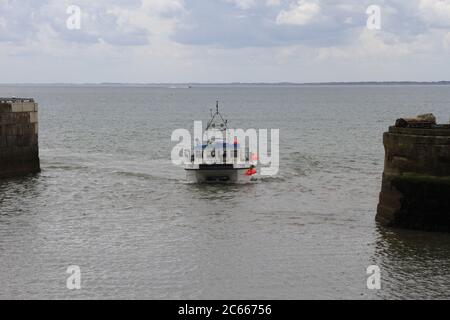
[
  {"x": 219, "y": 192},
  {"x": 30, "y": 187},
  {"x": 414, "y": 264}
]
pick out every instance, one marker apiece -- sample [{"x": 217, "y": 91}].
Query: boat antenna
[
  {"x": 218, "y": 113},
  {"x": 213, "y": 116}
]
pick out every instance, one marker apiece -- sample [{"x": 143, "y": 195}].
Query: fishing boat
[{"x": 216, "y": 160}]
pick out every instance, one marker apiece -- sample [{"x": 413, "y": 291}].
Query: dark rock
[{"x": 426, "y": 121}]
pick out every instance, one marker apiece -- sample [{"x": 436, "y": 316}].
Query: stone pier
[
  {"x": 19, "y": 152},
  {"x": 415, "y": 192}
]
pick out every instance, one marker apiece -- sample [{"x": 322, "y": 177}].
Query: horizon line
[{"x": 441, "y": 82}]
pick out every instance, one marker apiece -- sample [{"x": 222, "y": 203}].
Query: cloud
[
  {"x": 264, "y": 23},
  {"x": 436, "y": 12},
  {"x": 117, "y": 22},
  {"x": 18, "y": 20},
  {"x": 267, "y": 23},
  {"x": 304, "y": 12},
  {"x": 273, "y": 3},
  {"x": 223, "y": 23},
  {"x": 188, "y": 38},
  {"x": 243, "y": 4},
  {"x": 370, "y": 45}
]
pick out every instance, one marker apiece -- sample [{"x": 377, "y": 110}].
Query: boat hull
[{"x": 218, "y": 176}]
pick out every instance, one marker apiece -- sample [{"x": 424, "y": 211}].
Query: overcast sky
[{"x": 223, "y": 41}]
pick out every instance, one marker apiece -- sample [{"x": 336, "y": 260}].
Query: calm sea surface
[{"x": 110, "y": 201}]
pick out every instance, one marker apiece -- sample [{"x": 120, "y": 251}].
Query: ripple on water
[{"x": 109, "y": 199}]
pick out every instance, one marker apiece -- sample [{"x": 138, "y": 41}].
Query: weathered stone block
[
  {"x": 17, "y": 107},
  {"x": 28, "y": 107},
  {"x": 33, "y": 117},
  {"x": 5, "y": 107}
]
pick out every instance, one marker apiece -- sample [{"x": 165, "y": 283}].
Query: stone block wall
[
  {"x": 415, "y": 192},
  {"x": 19, "y": 151}
]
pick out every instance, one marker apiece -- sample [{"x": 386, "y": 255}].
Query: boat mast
[{"x": 213, "y": 116}]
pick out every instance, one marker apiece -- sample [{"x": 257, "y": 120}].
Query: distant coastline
[{"x": 192, "y": 84}]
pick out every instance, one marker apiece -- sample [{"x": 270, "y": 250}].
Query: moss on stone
[{"x": 420, "y": 178}]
